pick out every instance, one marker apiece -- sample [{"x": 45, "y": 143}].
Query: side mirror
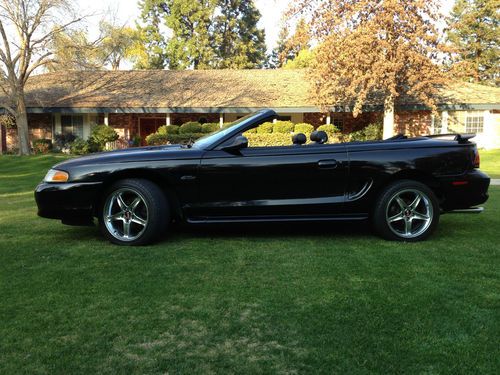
[{"x": 238, "y": 143}]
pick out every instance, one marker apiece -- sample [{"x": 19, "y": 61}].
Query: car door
[{"x": 266, "y": 183}]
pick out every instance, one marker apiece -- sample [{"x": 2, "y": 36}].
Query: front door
[
  {"x": 263, "y": 182},
  {"x": 149, "y": 126}
]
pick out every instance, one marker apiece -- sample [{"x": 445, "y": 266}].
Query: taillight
[{"x": 477, "y": 159}]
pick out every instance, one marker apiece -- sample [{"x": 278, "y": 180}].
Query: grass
[
  {"x": 331, "y": 299},
  {"x": 490, "y": 162}
]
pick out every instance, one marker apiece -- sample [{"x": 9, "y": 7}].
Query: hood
[{"x": 134, "y": 154}]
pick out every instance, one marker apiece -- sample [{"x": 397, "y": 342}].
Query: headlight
[{"x": 54, "y": 175}]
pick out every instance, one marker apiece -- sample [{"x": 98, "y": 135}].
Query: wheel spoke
[
  {"x": 396, "y": 217},
  {"x": 126, "y": 228},
  {"x": 416, "y": 202},
  {"x": 408, "y": 223},
  {"x": 117, "y": 216},
  {"x": 121, "y": 203},
  {"x": 419, "y": 216},
  {"x": 135, "y": 203},
  {"x": 136, "y": 219},
  {"x": 401, "y": 202}
]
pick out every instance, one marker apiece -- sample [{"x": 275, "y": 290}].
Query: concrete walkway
[{"x": 495, "y": 181}]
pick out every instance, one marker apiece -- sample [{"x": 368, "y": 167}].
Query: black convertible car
[{"x": 401, "y": 185}]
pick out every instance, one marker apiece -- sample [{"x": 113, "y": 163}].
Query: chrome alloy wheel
[
  {"x": 125, "y": 214},
  {"x": 409, "y": 213}
]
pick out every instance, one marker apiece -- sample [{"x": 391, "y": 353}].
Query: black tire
[
  {"x": 394, "y": 217},
  {"x": 136, "y": 207}
]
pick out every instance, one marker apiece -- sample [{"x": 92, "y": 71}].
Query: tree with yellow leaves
[{"x": 374, "y": 49}]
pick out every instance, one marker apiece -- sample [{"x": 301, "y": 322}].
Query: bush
[
  {"x": 331, "y": 130},
  {"x": 304, "y": 128},
  {"x": 190, "y": 128},
  {"x": 265, "y": 128},
  {"x": 79, "y": 147},
  {"x": 99, "y": 136},
  {"x": 210, "y": 127},
  {"x": 251, "y": 131},
  {"x": 42, "y": 146},
  {"x": 267, "y": 140},
  {"x": 157, "y": 139},
  {"x": 285, "y": 127},
  {"x": 168, "y": 129},
  {"x": 64, "y": 140},
  {"x": 371, "y": 132}
]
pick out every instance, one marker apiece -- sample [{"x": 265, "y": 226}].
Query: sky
[{"x": 127, "y": 11}]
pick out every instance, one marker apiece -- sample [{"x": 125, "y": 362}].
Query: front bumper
[
  {"x": 72, "y": 203},
  {"x": 465, "y": 191}
]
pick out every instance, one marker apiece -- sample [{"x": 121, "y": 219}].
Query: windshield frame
[{"x": 212, "y": 140}]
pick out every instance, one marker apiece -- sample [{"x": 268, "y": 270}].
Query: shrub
[
  {"x": 170, "y": 129},
  {"x": 331, "y": 130},
  {"x": 79, "y": 147},
  {"x": 64, "y": 140},
  {"x": 285, "y": 127},
  {"x": 42, "y": 146},
  {"x": 210, "y": 127},
  {"x": 265, "y": 128},
  {"x": 266, "y": 140},
  {"x": 304, "y": 128},
  {"x": 371, "y": 132},
  {"x": 157, "y": 139},
  {"x": 190, "y": 127},
  {"x": 100, "y": 135},
  {"x": 251, "y": 131}
]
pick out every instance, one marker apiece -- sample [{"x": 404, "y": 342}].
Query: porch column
[
  {"x": 444, "y": 122},
  {"x": 106, "y": 119},
  {"x": 221, "y": 119},
  {"x": 433, "y": 124},
  {"x": 328, "y": 119},
  {"x": 57, "y": 123},
  {"x": 167, "y": 120}
]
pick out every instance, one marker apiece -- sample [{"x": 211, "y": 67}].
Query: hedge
[
  {"x": 371, "y": 132},
  {"x": 157, "y": 139},
  {"x": 303, "y": 128},
  {"x": 168, "y": 129},
  {"x": 283, "y": 127},
  {"x": 266, "y": 140},
  {"x": 265, "y": 128},
  {"x": 42, "y": 146},
  {"x": 210, "y": 127},
  {"x": 190, "y": 128}
]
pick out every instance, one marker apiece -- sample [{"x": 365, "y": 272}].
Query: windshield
[{"x": 215, "y": 136}]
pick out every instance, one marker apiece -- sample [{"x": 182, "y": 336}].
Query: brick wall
[
  {"x": 413, "y": 122},
  {"x": 39, "y": 126}
]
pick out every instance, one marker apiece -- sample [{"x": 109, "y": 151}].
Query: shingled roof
[{"x": 202, "y": 89}]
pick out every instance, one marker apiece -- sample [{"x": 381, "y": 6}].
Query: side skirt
[{"x": 273, "y": 219}]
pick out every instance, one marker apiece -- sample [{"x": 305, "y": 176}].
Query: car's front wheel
[
  {"x": 406, "y": 211},
  {"x": 134, "y": 212}
]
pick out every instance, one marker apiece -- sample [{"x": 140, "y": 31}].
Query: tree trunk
[
  {"x": 388, "y": 117},
  {"x": 22, "y": 126},
  {"x": 1, "y": 140}
]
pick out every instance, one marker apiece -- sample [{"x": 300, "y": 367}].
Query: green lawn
[
  {"x": 301, "y": 300},
  {"x": 490, "y": 162}
]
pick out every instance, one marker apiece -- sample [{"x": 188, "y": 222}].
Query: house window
[
  {"x": 474, "y": 124},
  {"x": 72, "y": 124},
  {"x": 339, "y": 123},
  {"x": 284, "y": 118}
]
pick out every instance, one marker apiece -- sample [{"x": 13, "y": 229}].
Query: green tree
[
  {"x": 118, "y": 43},
  {"x": 474, "y": 34},
  {"x": 278, "y": 55},
  {"x": 204, "y": 34},
  {"x": 383, "y": 49},
  {"x": 72, "y": 50},
  {"x": 151, "y": 19},
  {"x": 238, "y": 41}
]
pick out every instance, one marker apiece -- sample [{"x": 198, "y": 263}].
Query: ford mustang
[{"x": 401, "y": 185}]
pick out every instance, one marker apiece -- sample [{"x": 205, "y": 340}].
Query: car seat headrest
[
  {"x": 299, "y": 139},
  {"x": 319, "y": 137}
]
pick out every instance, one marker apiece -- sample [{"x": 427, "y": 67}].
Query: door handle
[{"x": 327, "y": 164}]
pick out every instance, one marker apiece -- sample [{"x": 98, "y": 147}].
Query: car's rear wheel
[
  {"x": 134, "y": 212},
  {"x": 406, "y": 211}
]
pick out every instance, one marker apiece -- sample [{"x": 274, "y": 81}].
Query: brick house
[{"x": 136, "y": 103}]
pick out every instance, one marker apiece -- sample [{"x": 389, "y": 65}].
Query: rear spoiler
[{"x": 460, "y": 138}]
